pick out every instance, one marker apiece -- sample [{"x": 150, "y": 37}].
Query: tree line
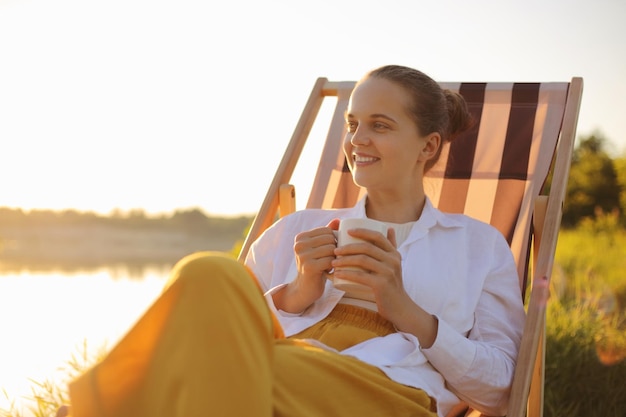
[
  {"x": 192, "y": 221},
  {"x": 596, "y": 184}
]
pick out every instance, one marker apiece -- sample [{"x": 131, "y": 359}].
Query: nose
[{"x": 359, "y": 137}]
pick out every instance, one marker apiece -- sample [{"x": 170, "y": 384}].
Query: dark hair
[{"x": 433, "y": 109}]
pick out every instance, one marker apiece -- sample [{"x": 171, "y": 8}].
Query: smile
[{"x": 364, "y": 159}]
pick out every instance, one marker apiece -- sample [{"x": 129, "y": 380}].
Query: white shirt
[{"x": 456, "y": 268}]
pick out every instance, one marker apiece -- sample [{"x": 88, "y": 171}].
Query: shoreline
[{"x": 70, "y": 249}]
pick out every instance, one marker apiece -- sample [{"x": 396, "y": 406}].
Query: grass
[
  {"x": 47, "y": 396},
  {"x": 585, "y": 333},
  {"x": 585, "y": 368},
  {"x": 586, "y": 322}
]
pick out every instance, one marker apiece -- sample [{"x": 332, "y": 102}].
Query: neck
[{"x": 402, "y": 209}]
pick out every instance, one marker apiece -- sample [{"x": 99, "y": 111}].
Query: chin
[{"x": 361, "y": 180}]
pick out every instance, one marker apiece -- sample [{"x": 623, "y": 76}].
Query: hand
[
  {"x": 380, "y": 268},
  {"x": 314, "y": 251}
]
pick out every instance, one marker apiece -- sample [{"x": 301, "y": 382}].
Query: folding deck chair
[{"x": 494, "y": 173}]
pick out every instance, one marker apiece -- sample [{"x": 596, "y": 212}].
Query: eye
[
  {"x": 380, "y": 126},
  {"x": 351, "y": 126}
]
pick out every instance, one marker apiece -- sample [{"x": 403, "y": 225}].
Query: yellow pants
[{"x": 210, "y": 346}]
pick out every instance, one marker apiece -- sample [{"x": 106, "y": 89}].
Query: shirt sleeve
[
  {"x": 261, "y": 257},
  {"x": 479, "y": 367}
]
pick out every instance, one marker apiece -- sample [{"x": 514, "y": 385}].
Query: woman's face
[{"x": 384, "y": 148}]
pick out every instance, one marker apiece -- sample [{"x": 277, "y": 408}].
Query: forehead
[{"x": 378, "y": 96}]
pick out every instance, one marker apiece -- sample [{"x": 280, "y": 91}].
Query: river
[{"x": 49, "y": 317}]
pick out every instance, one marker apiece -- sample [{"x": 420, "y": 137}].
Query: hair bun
[{"x": 460, "y": 119}]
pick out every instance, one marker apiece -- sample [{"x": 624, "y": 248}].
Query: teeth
[{"x": 358, "y": 158}]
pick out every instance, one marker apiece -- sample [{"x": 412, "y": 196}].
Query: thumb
[
  {"x": 391, "y": 235},
  {"x": 334, "y": 224}
]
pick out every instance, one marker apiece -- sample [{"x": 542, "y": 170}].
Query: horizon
[
  {"x": 116, "y": 212},
  {"x": 136, "y": 105}
]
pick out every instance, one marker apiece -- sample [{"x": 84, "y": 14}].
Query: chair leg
[{"x": 535, "y": 396}]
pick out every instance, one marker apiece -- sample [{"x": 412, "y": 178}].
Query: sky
[{"x": 163, "y": 105}]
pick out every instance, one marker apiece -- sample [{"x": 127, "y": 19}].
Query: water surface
[{"x": 47, "y": 317}]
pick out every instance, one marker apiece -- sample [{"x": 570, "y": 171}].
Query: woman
[{"x": 443, "y": 328}]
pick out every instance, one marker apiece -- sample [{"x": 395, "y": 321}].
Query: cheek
[{"x": 347, "y": 149}]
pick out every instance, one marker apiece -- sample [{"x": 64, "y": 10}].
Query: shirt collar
[{"x": 430, "y": 215}]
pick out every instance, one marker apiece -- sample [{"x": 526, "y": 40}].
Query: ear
[{"x": 431, "y": 146}]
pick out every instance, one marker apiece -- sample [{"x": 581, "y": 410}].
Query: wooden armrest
[{"x": 286, "y": 199}]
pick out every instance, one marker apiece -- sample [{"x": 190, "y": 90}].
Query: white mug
[{"x": 354, "y": 289}]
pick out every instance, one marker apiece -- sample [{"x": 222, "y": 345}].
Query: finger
[
  {"x": 375, "y": 244},
  {"x": 322, "y": 235},
  {"x": 318, "y": 265},
  {"x": 367, "y": 256},
  {"x": 314, "y": 249},
  {"x": 356, "y": 260},
  {"x": 353, "y": 275}
]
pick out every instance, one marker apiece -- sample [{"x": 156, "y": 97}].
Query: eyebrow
[{"x": 374, "y": 116}]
